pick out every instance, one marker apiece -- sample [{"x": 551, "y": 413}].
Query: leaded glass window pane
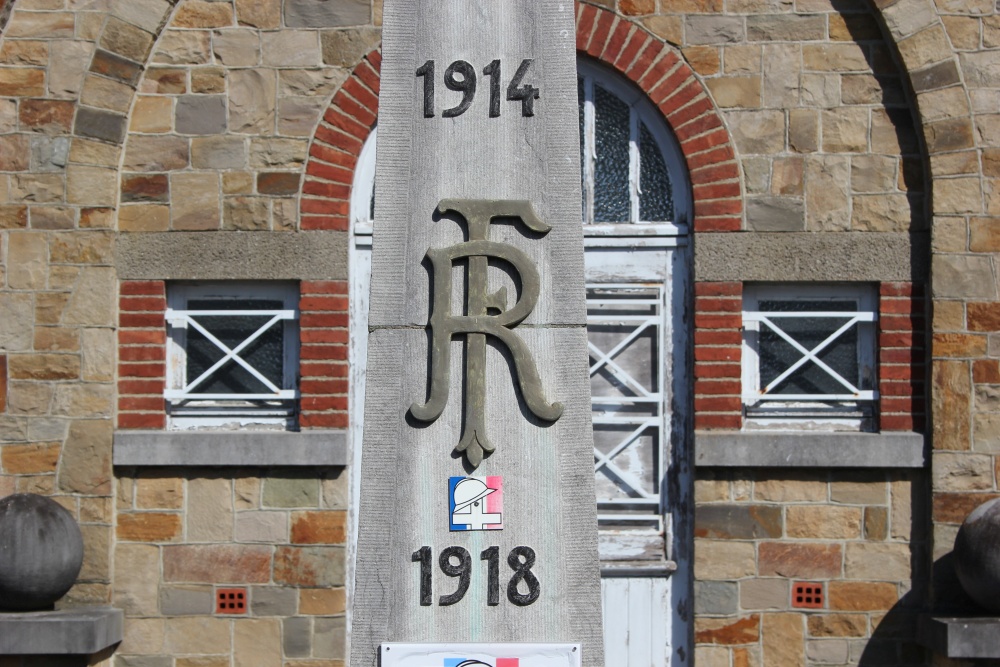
[
  {"x": 611, "y": 168},
  {"x": 656, "y": 203}
]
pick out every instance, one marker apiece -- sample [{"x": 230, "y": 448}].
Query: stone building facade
[{"x": 149, "y": 145}]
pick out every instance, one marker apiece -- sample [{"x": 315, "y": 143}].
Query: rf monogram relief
[{"x": 479, "y": 323}]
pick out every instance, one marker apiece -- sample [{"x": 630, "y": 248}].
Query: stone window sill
[
  {"x": 230, "y": 448},
  {"x": 740, "y": 449}
]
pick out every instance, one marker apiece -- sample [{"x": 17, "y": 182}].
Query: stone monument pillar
[{"x": 477, "y": 517}]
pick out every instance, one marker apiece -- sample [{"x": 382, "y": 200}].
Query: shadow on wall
[{"x": 893, "y": 640}]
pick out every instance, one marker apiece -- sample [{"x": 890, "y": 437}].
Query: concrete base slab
[
  {"x": 82, "y": 631},
  {"x": 961, "y": 637}
]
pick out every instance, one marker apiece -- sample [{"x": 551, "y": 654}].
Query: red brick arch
[
  {"x": 650, "y": 63},
  {"x": 336, "y": 146}
]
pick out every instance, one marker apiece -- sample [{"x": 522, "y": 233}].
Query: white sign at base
[{"x": 480, "y": 655}]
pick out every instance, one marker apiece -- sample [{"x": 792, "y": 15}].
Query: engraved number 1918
[{"x": 456, "y": 562}]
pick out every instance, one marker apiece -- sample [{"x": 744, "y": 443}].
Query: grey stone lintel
[
  {"x": 965, "y": 637},
  {"x": 81, "y": 631},
  {"x": 809, "y": 450},
  {"x": 232, "y": 256},
  {"x": 811, "y": 256},
  {"x": 230, "y": 448}
]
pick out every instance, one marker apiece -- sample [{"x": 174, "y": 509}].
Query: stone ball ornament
[
  {"x": 41, "y": 552},
  {"x": 977, "y": 555}
]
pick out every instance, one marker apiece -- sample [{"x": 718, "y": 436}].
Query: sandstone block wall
[{"x": 246, "y": 117}]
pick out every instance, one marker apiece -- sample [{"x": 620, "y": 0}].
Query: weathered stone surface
[
  {"x": 183, "y": 47},
  {"x": 757, "y": 132},
  {"x": 322, "y": 601},
  {"x": 278, "y": 183},
  {"x": 785, "y": 27},
  {"x": 86, "y": 458},
  {"x": 135, "y": 586},
  {"x": 245, "y": 213},
  {"x": 100, "y": 124},
  {"x": 744, "y": 630},
  {"x": 220, "y": 563},
  {"x": 827, "y": 193},
  {"x": 764, "y": 593},
  {"x": 345, "y": 48},
  {"x": 326, "y": 13},
  {"x": 148, "y": 527},
  {"x": 800, "y": 560},
  {"x": 315, "y": 82},
  {"x": 196, "y": 635},
  {"x": 195, "y": 198},
  {"x": 716, "y": 597},
  {"x": 30, "y": 459},
  {"x": 963, "y": 276},
  {"x": 884, "y": 213},
  {"x": 713, "y": 29},
  {"x": 156, "y": 153},
  {"x": 251, "y": 101},
  {"x": 273, "y": 152},
  {"x": 737, "y": 521},
  {"x": 273, "y": 601},
  {"x": 327, "y": 527},
  {"x": 297, "y": 116},
  {"x": 291, "y": 48},
  {"x": 28, "y": 261},
  {"x": 953, "y": 471},
  {"x": 823, "y": 522},
  {"x": 186, "y": 600},
  {"x": 259, "y": 13},
  {"x": 218, "y": 152},
  {"x": 49, "y": 153},
  {"x": 201, "y": 14},
  {"x": 95, "y": 186},
  {"x": 145, "y": 188},
  {"x": 783, "y": 639},
  {"x": 291, "y": 492},
  {"x": 257, "y": 642},
  {"x": 210, "y": 510},
  {"x": 159, "y": 493},
  {"x": 200, "y": 114},
  {"x": 142, "y": 635},
  {"x": 309, "y": 566},
  {"x": 44, "y": 366},
  {"x": 329, "y": 637},
  {"x": 22, "y": 82},
  {"x": 336, "y": 490},
  {"x": 144, "y": 218},
  {"x": 296, "y": 637},
  {"x": 164, "y": 80},
  {"x": 92, "y": 302},
  {"x": 126, "y": 40},
  {"x": 876, "y": 562},
  {"x": 266, "y": 527},
  {"x": 775, "y": 214},
  {"x": 721, "y": 559},
  {"x": 735, "y": 92},
  {"x": 861, "y": 595},
  {"x": 237, "y": 48}
]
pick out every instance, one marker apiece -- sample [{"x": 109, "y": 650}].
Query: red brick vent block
[
  {"x": 807, "y": 596},
  {"x": 230, "y": 600},
  {"x": 336, "y": 146},
  {"x": 718, "y": 341},
  {"x": 323, "y": 320},
  {"x": 668, "y": 81},
  {"x": 142, "y": 354},
  {"x": 902, "y": 357}
]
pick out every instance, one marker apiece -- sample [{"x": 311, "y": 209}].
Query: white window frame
[
  {"x": 854, "y": 409},
  {"x": 268, "y": 410}
]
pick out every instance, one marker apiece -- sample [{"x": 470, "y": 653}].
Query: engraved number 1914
[{"x": 460, "y": 76}]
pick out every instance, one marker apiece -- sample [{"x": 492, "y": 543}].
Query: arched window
[{"x": 632, "y": 167}]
